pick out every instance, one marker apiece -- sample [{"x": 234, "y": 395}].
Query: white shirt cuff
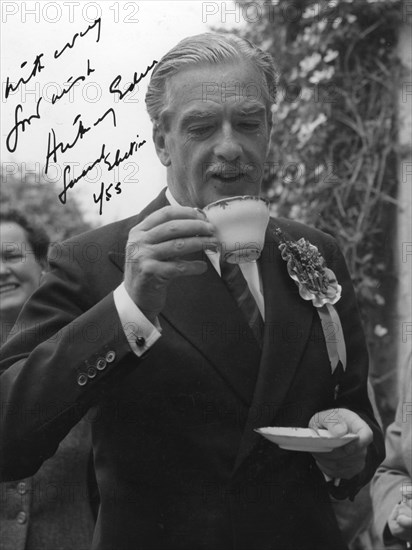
[
  {"x": 139, "y": 331},
  {"x": 336, "y": 480}
]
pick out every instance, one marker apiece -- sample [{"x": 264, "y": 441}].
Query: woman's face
[{"x": 19, "y": 270}]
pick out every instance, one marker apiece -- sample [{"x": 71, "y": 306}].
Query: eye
[
  {"x": 200, "y": 130},
  {"x": 249, "y": 125},
  {"x": 13, "y": 258}
]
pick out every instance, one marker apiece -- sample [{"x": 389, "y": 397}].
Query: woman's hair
[{"x": 36, "y": 235}]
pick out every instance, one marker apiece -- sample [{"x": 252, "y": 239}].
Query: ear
[
  {"x": 43, "y": 270},
  {"x": 159, "y": 140}
]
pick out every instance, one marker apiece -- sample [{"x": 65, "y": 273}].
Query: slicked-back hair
[
  {"x": 207, "y": 48},
  {"x": 36, "y": 235}
]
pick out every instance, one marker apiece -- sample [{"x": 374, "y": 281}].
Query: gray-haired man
[{"x": 177, "y": 382}]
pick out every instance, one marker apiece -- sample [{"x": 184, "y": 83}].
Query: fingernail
[{"x": 201, "y": 212}]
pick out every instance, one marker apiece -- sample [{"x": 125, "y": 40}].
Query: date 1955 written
[{"x": 106, "y": 194}]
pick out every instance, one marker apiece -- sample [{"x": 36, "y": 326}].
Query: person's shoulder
[
  {"x": 110, "y": 235},
  {"x": 294, "y": 230},
  {"x": 107, "y": 234}
]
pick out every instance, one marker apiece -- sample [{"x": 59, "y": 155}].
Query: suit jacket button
[
  {"x": 91, "y": 372},
  {"x": 101, "y": 363},
  {"x": 110, "y": 356},
  {"x": 82, "y": 379},
  {"x": 21, "y": 488},
  {"x": 140, "y": 341},
  {"x": 21, "y": 517}
]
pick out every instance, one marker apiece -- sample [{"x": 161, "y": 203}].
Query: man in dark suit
[{"x": 149, "y": 341}]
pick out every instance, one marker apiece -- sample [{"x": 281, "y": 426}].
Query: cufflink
[{"x": 140, "y": 341}]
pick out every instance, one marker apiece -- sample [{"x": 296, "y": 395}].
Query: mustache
[{"x": 228, "y": 170}]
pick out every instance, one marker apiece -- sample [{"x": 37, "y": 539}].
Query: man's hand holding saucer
[{"x": 349, "y": 460}]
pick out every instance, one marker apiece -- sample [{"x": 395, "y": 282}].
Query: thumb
[
  {"x": 338, "y": 428},
  {"x": 330, "y": 420}
]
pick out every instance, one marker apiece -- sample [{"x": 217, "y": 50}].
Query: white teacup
[{"x": 240, "y": 224}]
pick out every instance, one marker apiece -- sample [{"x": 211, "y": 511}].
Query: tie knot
[{"x": 227, "y": 269}]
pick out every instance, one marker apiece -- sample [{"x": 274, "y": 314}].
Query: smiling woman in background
[
  {"x": 50, "y": 510},
  {"x": 23, "y": 260}
]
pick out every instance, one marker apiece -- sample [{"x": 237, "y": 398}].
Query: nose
[
  {"x": 228, "y": 147},
  {"x": 4, "y": 268}
]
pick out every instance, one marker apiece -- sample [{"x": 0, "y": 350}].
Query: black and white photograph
[{"x": 205, "y": 284}]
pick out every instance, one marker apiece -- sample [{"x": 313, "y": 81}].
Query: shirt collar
[{"x": 170, "y": 198}]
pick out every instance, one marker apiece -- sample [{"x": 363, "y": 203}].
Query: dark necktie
[{"x": 238, "y": 287}]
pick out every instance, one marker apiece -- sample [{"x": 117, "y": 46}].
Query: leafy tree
[{"x": 38, "y": 200}]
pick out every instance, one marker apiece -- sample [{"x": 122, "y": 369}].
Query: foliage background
[
  {"x": 333, "y": 157},
  {"x": 37, "y": 200}
]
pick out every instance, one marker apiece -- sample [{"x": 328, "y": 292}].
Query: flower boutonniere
[
  {"x": 316, "y": 282},
  {"x": 307, "y": 267}
]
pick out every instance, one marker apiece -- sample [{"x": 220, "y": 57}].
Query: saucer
[{"x": 305, "y": 439}]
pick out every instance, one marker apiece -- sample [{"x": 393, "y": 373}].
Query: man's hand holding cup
[{"x": 155, "y": 250}]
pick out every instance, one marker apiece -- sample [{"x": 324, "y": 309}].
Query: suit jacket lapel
[
  {"x": 288, "y": 320},
  {"x": 205, "y": 313}
]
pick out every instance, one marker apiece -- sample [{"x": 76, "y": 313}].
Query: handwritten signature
[
  {"x": 13, "y": 135},
  {"x": 104, "y": 157},
  {"x": 81, "y": 131},
  {"x": 113, "y": 86},
  {"x": 107, "y": 195},
  {"x": 37, "y": 68},
  {"x": 81, "y": 78},
  {"x": 37, "y": 65},
  {"x": 55, "y": 147},
  {"x": 70, "y": 45}
]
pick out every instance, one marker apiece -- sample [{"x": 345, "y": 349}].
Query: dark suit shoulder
[
  {"x": 296, "y": 230},
  {"x": 112, "y": 236},
  {"x": 107, "y": 234}
]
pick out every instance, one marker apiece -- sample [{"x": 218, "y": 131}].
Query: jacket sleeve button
[
  {"x": 82, "y": 379},
  {"x": 110, "y": 356},
  {"x": 21, "y": 517},
  {"x": 101, "y": 363},
  {"x": 91, "y": 372},
  {"x": 21, "y": 488}
]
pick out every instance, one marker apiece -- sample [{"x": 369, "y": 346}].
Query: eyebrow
[
  {"x": 249, "y": 111},
  {"x": 197, "y": 116}
]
